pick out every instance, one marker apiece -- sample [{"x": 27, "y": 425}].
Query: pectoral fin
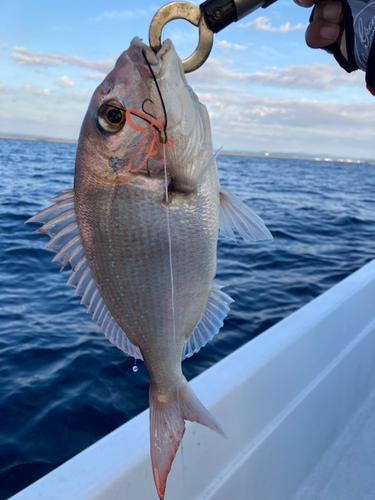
[{"x": 234, "y": 214}]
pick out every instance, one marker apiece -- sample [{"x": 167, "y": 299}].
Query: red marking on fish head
[{"x": 106, "y": 141}]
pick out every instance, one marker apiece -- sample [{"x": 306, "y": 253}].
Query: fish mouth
[
  {"x": 170, "y": 61},
  {"x": 163, "y": 61},
  {"x": 165, "y": 48},
  {"x": 147, "y": 52}
]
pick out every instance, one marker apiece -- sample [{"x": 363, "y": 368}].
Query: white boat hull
[{"x": 286, "y": 401}]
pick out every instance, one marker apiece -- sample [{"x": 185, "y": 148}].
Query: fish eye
[{"x": 111, "y": 116}]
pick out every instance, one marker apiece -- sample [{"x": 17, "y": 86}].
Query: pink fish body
[{"x": 113, "y": 230}]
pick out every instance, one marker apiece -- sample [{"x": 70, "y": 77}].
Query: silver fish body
[
  {"x": 124, "y": 233},
  {"x": 118, "y": 231}
]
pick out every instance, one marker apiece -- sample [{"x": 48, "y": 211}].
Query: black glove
[{"x": 359, "y": 18}]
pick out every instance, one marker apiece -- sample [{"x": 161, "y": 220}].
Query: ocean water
[{"x": 63, "y": 386}]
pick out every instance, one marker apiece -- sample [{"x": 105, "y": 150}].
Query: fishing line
[
  {"x": 172, "y": 303},
  {"x": 171, "y": 269},
  {"x": 158, "y": 89},
  {"x": 143, "y": 108},
  {"x": 163, "y": 140}
]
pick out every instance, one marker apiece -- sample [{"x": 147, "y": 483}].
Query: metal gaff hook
[{"x": 191, "y": 13}]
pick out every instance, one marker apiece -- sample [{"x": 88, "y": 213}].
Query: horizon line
[{"x": 289, "y": 156}]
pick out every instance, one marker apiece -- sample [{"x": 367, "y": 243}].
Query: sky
[{"x": 265, "y": 90}]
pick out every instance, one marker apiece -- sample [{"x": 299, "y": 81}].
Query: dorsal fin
[
  {"x": 60, "y": 223},
  {"x": 210, "y": 323}
]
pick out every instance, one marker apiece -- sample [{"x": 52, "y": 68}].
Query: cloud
[
  {"x": 98, "y": 77},
  {"x": 81, "y": 95},
  {"x": 42, "y": 91},
  {"x": 244, "y": 112},
  {"x": 262, "y": 23},
  {"x": 2, "y": 86},
  {"x": 317, "y": 76},
  {"x": 251, "y": 123},
  {"x": 223, "y": 44},
  {"x": 64, "y": 80},
  {"x": 38, "y": 91},
  {"x": 115, "y": 15},
  {"x": 242, "y": 122},
  {"x": 27, "y": 57},
  {"x": 23, "y": 112},
  {"x": 216, "y": 88}
]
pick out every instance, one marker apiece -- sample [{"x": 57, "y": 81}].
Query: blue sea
[{"x": 63, "y": 386}]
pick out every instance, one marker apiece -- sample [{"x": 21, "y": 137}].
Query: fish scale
[{"x": 132, "y": 227}]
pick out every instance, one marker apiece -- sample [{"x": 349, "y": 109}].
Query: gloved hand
[{"x": 346, "y": 29}]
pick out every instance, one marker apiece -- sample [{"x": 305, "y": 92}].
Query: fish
[{"x": 140, "y": 230}]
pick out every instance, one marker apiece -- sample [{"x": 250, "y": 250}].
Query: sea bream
[{"x": 113, "y": 229}]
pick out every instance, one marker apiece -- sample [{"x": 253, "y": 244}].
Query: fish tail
[{"x": 167, "y": 427}]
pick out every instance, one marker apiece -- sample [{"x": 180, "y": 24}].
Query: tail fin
[{"x": 167, "y": 427}]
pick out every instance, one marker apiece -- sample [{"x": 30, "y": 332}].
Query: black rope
[
  {"x": 146, "y": 112},
  {"x": 158, "y": 89}
]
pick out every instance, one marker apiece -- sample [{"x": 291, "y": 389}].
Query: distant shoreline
[
  {"x": 227, "y": 153},
  {"x": 28, "y": 138},
  {"x": 267, "y": 155}
]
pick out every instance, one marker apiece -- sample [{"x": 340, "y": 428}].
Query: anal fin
[{"x": 210, "y": 323}]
